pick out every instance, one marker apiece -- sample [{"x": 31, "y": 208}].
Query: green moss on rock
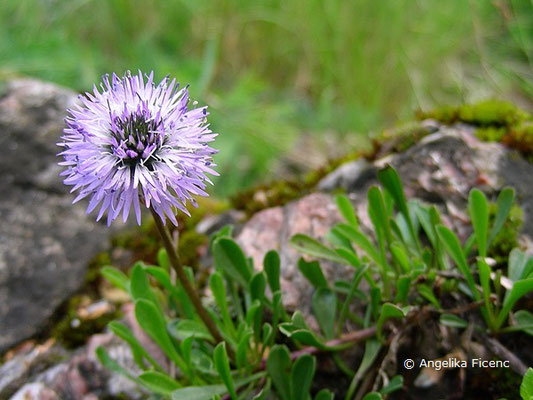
[
  {"x": 497, "y": 121},
  {"x": 491, "y": 134},
  {"x": 493, "y": 113}
]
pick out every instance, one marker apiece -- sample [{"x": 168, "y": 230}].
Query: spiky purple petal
[{"x": 133, "y": 142}]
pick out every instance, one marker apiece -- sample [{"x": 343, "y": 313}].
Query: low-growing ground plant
[{"x": 409, "y": 263}]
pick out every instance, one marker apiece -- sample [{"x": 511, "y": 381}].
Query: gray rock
[
  {"x": 24, "y": 365},
  {"x": 45, "y": 242},
  {"x": 444, "y": 167},
  {"x": 212, "y": 223},
  {"x": 78, "y": 376},
  {"x": 48, "y": 370},
  {"x": 349, "y": 176},
  {"x": 35, "y": 391}
]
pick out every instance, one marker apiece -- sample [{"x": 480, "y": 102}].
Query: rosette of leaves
[{"x": 250, "y": 363}]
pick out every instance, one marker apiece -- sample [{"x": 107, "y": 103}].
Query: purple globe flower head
[{"x": 136, "y": 142}]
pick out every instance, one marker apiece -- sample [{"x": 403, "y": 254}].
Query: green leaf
[
  {"x": 454, "y": 248},
  {"x": 186, "y": 350},
  {"x": 375, "y": 301},
  {"x": 526, "y": 388},
  {"x": 298, "y": 320},
  {"x": 324, "y": 305},
  {"x": 258, "y": 286},
  {"x": 396, "y": 383},
  {"x": 253, "y": 309},
  {"x": 388, "y": 311},
  {"x": 324, "y": 394},
  {"x": 267, "y": 334},
  {"x": 400, "y": 256},
  {"x": 242, "y": 349},
  {"x": 378, "y": 213},
  {"x": 230, "y": 258},
  {"x": 153, "y": 323},
  {"x": 401, "y": 229},
  {"x": 346, "y": 209},
  {"x": 202, "y": 362},
  {"x": 123, "y": 332},
  {"x": 524, "y": 321},
  {"x": 403, "y": 285},
  {"x": 302, "y": 376},
  {"x": 216, "y": 284},
  {"x": 264, "y": 392},
  {"x": 425, "y": 221},
  {"x": 140, "y": 286},
  {"x": 520, "y": 288},
  {"x": 338, "y": 240},
  {"x": 220, "y": 357},
  {"x": 185, "y": 328},
  {"x": 504, "y": 204},
  {"x": 162, "y": 259},
  {"x": 360, "y": 240},
  {"x": 302, "y": 335},
  {"x": 356, "y": 280},
  {"x": 372, "y": 347},
  {"x": 225, "y": 231},
  {"x": 350, "y": 256},
  {"x": 271, "y": 266},
  {"x": 207, "y": 392},
  {"x": 116, "y": 277},
  {"x": 278, "y": 311},
  {"x": 453, "y": 320},
  {"x": 279, "y": 366},
  {"x": 426, "y": 292},
  {"x": 199, "y": 392},
  {"x": 314, "y": 248},
  {"x": 390, "y": 180},
  {"x": 112, "y": 365},
  {"x": 184, "y": 304},
  {"x": 162, "y": 276},
  {"x": 479, "y": 214},
  {"x": 520, "y": 265},
  {"x": 373, "y": 396},
  {"x": 484, "y": 278},
  {"x": 159, "y": 383},
  {"x": 313, "y": 273}
]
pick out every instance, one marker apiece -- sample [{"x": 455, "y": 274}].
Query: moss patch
[
  {"x": 497, "y": 121},
  {"x": 494, "y": 113}
]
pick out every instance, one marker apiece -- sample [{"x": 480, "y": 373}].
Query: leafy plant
[
  {"x": 526, "y": 389},
  {"x": 399, "y": 277}
]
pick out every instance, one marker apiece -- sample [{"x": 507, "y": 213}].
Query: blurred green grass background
[{"x": 287, "y": 81}]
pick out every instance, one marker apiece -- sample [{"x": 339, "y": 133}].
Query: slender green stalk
[{"x": 182, "y": 276}]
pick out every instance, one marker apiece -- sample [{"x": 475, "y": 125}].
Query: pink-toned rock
[{"x": 312, "y": 215}]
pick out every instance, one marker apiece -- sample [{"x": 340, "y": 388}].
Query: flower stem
[{"x": 184, "y": 280}]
